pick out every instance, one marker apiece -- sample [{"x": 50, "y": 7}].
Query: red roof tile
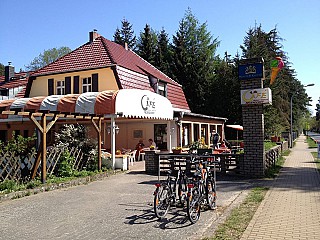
[{"x": 103, "y": 53}]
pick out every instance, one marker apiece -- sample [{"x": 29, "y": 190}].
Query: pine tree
[
  {"x": 224, "y": 97},
  {"x": 164, "y": 53},
  {"x": 259, "y": 43},
  {"x": 193, "y": 60},
  {"x": 125, "y": 35},
  {"x": 147, "y": 45},
  {"x": 117, "y": 37}
]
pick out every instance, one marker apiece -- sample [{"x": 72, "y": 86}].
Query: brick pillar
[{"x": 253, "y": 133}]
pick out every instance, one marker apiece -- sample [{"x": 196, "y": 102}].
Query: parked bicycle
[
  {"x": 202, "y": 189},
  {"x": 172, "y": 191}
]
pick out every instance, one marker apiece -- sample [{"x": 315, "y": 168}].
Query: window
[
  {"x": 86, "y": 85},
  {"x": 162, "y": 88},
  {"x": 60, "y": 87}
]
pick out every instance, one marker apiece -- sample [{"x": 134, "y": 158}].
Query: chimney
[
  {"x": 8, "y": 72},
  {"x": 93, "y": 35},
  {"x": 126, "y": 46}
]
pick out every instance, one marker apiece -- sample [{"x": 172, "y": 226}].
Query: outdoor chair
[{"x": 132, "y": 157}]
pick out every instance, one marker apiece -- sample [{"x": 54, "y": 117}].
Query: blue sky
[{"x": 30, "y": 27}]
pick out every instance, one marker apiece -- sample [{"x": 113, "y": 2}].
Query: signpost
[{"x": 253, "y": 97}]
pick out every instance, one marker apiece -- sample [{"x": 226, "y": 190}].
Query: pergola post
[
  {"x": 98, "y": 130},
  {"x": 169, "y": 132},
  {"x": 113, "y": 142},
  {"x": 44, "y": 149}
]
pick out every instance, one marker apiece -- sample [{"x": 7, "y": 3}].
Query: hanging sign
[
  {"x": 135, "y": 103},
  {"x": 256, "y": 96}
]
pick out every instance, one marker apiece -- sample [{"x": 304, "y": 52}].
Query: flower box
[
  {"x": 203, "y": 151},
  {"x": 176, "y": 151}
]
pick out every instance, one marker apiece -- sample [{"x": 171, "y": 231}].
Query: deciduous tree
[{"x": 47, "y": 57}]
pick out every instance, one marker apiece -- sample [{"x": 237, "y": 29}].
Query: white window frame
[
  {"x": 162, "y": 88},
  {"x": 60, "y": 87},
  {"x": 86, "y": 84}
]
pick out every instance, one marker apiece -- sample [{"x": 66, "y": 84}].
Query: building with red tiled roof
[
  {"x": 13, "y": 85},
  {"x": 130, "y": 70},
  {"x": 101, "y": 65}
]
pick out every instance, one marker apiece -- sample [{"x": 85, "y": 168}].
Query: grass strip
[
  {"x": 316, "y": 159},
  {"x": 240, "y": 217},
  {"x": 311, "y": 143}
]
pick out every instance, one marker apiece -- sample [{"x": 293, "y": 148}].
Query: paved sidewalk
[{"x": 291, "y": 208}]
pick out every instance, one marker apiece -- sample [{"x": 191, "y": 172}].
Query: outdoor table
[
  {"x": 222, "y": 150},
  {"x": 121, "y": 161}
]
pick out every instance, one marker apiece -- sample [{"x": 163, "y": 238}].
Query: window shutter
[
  {"x": 50, "y": 87},
  {"x": 67, "y": 81},
  {"x": 76, "y": 84},
  {"x": 95, "y": 82}
]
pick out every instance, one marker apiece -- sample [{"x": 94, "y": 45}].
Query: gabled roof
[{"x": 102, "y": 53}]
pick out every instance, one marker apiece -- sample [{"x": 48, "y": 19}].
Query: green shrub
[
  {"x": 9, "y": 186},
  {"x": 65, "y": 166},
  {"x": 18, "y": 145},
  {"x": 268, "y": 145},
  {"x": 33, "y": 184}
]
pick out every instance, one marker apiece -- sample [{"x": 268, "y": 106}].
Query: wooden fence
[
  {"x": 18, "y": 167},
  {"x": 225, "y": 162},
  {"x": 272, "y": 155}
]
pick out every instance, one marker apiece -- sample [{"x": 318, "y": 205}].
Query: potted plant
[
  {"x": 200, "y": 147},
  {"x": 177, "y": 150}
]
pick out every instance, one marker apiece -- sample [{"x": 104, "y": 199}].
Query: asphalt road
[
  {"x": 316, "y": 136},
  {"x": 117, "y": 207}
]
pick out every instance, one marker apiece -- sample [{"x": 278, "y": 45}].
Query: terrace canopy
[
  {"x": 94, "y": 106},
  {"x": 237, "y": 127}
]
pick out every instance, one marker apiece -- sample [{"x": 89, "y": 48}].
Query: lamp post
[{"x": 291, "y": 125}]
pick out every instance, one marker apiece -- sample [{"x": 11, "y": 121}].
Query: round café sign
[{"x": 148, "y": 105}]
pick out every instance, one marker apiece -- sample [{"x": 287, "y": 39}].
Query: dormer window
[
  {"x": 60, "y": 87},
  {"x": 86, "y": 85},
  {"x": 162, "y": 88}
]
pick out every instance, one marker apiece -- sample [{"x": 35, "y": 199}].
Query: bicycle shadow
[{"x": 176, "y": 218}]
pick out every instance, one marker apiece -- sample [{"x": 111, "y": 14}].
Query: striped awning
[{"x": 131, "y": 103}]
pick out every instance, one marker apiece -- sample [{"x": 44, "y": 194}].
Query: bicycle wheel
[
  {"x": 162, "y": 201},
  {"x": 182, "y": 191},
  {"x": 194, "y": 205},
  {"x": 211, "y": 193}
]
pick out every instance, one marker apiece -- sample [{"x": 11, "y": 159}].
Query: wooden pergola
[{"x": 44, "y": 121}]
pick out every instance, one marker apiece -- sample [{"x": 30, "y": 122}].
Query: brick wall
[{"x": 253, "y": 134}]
